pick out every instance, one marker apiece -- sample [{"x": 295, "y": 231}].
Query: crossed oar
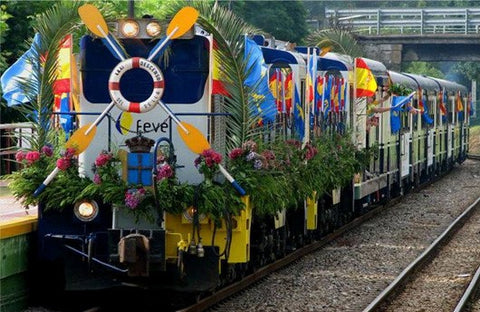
[{"x": 192, "y": 137}]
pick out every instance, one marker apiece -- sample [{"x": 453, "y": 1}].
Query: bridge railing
[{"x": 407, "y": 21}]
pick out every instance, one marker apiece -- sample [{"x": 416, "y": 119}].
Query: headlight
[
  {"x": 129, "y": 28},
  {"x": 86, "y": 210},
  {"x": 153, "y": 29}
]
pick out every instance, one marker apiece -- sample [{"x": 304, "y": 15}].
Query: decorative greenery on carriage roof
[{"x": 398, "y": 89}]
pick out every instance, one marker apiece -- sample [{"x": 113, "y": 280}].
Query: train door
[
  {"x": 405, "y": 139},
  {"x": 450, "y": 129},
  {"x": 430, "y": 136}
]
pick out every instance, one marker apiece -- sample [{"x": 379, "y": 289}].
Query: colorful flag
[
  {"x": 298, "y": 115},
  {"x": 288, "y": 92},
  {"x": 365, "y": 81},
  {"x": 21, "y": 70},
  {"x": 443, "y": 100},
  {"x": 66, "y": 120},
  {"x": 459, "y": 106},
  {"x": 319, "y": 95},
  {"x": 327, "y": 95},
  {"x": 257, "y": 80},
  {"x": 275, "y": 85},
  {"x": 62, "y": 85},
  {"x": 470, "y": 105},
  {"x": 217, "y": 75},
  {"x": 423, "y": 108},
  {"x": 311, "y": 75},
  {"x": 64, "y": 73},
  {"x": 397, "y": 106}
]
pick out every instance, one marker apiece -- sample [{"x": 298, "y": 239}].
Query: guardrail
[
  {"x": 12, "y": 137},
  {"x": 406, "y": 21}
]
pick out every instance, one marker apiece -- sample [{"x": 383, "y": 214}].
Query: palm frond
[
  {"x": 338, "y": 40},
  {"x": 52, "y": 26},
  {"x": 229, "y": 31}
]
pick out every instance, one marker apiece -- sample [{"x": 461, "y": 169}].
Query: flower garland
[{"x": 61, "y": 192}]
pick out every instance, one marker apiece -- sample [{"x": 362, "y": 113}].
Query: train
[{"x": 180, "y": 214}]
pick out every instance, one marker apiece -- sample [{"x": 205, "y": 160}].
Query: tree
[
  {"x": 423, "y": 68},
  {"x": 285, "y": 20}
]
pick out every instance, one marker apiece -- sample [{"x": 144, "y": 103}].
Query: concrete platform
[{"x": 14, "y": 218}]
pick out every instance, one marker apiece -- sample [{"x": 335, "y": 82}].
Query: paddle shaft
[
  {"x": 161, "y": 44},
  {"x": 100, "y": 117},
  {"x": 120, "y": 55}
]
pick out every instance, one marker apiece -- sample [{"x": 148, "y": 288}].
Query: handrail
[{"x": 408, "y": 21}]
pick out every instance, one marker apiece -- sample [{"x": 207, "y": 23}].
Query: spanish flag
[
  {"x": 62, "y": 83},
  {"x": 365, "y": 81},
  {"x": 459, "y": 106},
  {"x": 217, "y": 75}
]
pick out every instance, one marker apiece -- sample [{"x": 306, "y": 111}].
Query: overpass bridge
[{"x": 397, "y": 35}]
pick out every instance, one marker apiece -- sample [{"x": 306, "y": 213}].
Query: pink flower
[
  {"x": 63, "y": 163},
  {"x": 268, "y": 154},
  {"x": 32, "y": 156},
  {"x": 211, "y": 157},
  {"x": 97, "y": 179},
  {"x": 235, "y": 153},
  {"x": 103, "y": 159},
  {"x": 164, "y": 172},
  {"x": 133, "y": 197},
  {"x": 19, "y": 156},
  {"x": 47, "y": 150},
  {"x": 70, "y": 152}
]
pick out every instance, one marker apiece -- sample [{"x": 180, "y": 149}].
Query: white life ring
[{"x": 114, "y": 85}]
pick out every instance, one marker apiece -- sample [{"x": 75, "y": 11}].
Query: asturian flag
[
  {"x": 257, "y": 80},
  {"x": 21, "y": 70},
  {"x": 397, "y": 105}
]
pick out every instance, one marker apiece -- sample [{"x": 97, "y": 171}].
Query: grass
[{"x": 474, "y": 140}]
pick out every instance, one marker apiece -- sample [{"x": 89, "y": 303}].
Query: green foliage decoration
[
  {"x": 36, "y": 166},
  {"x": 398, "y": 89}
]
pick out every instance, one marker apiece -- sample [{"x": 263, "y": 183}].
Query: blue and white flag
[
  {"x": 21, "y": 70},
  {"x": 400, "y": 101},
  {"x": 397, "y": 105}
]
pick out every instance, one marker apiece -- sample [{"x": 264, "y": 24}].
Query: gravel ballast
[{"x": 350, "y": 272}]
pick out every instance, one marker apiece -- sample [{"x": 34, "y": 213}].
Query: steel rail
[
  {"x": 469, "y": 293},
  {"x": 230, "y": 290},
  {"x": 422, "y": 259},
  {"x": 296, "y": 255}
]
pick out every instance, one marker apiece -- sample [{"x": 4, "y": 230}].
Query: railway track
[
  {"x": 251, "y": 279},
  {"x": 443, "y": 270},
  {"x": 350, "y": 271}
]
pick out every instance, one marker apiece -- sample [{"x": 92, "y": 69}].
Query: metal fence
[
  {"x": 406, "y": 21},
  {"x": 12, "y": 138}
]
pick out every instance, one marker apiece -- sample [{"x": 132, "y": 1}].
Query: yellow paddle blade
[
  {"x": 194, "y": 139},
  {"x": 184, "y": 20},
  {"x": 79, "y": 140},
  {"x": 93, "y": 19}
]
